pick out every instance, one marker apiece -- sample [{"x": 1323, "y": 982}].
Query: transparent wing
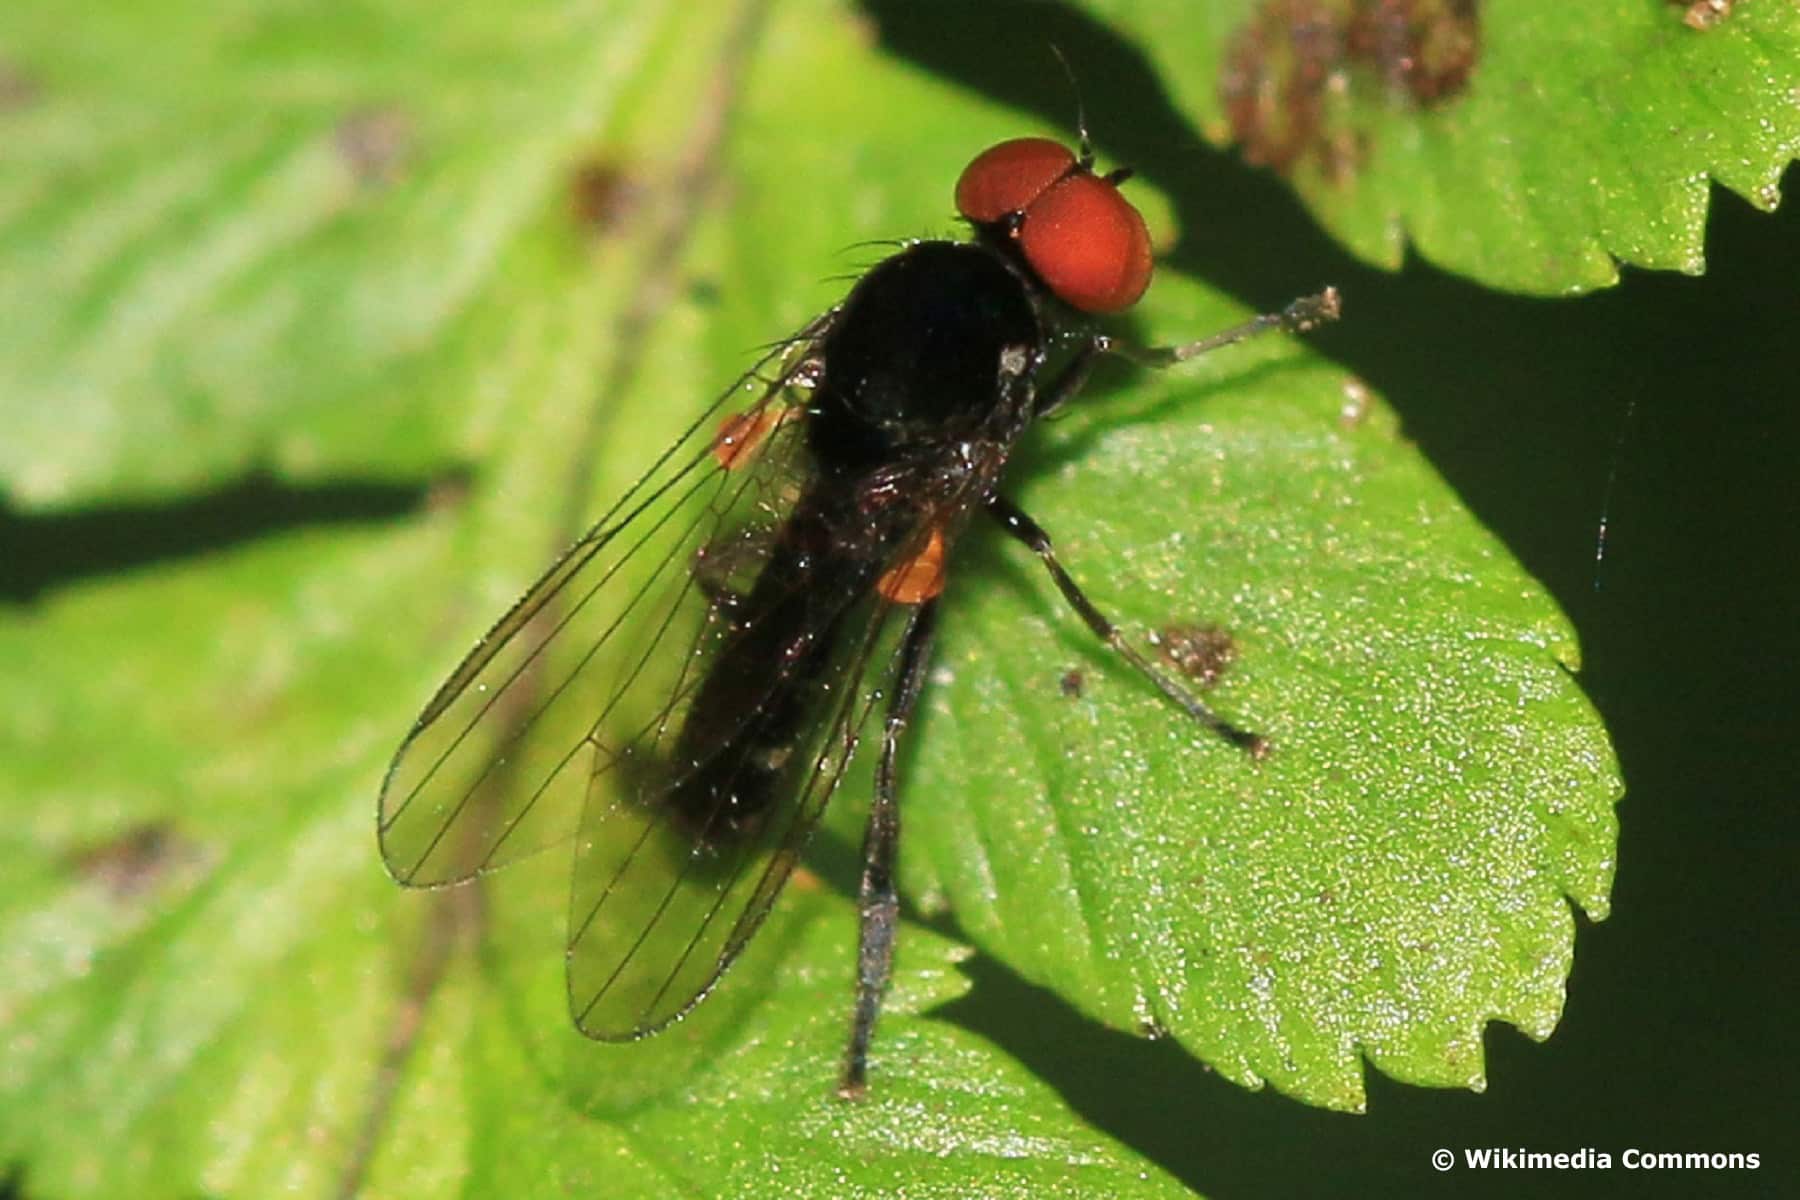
[
  {"x": 661, "y": 905},
  {"x": 498, "y": 764},
  {"x": 677, "y": 869}
]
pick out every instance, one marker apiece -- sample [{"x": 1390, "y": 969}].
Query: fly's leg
[
  {"x": 1072, "y": 378},
  {"x": 1302, "y": 316},
  {"x": 1022, "y": 527},
  {"x": 877, "y": 902}
]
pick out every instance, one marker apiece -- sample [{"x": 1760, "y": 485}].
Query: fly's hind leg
[{"x": 877, "y": 902}]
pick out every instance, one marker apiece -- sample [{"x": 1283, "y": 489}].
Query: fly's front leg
[
  {"x": 1302, "y": 316},
  {"x": 1022, "y": 527},
  {"x": 877, "y": 902},
  {"x": 1071, "y": 378}
]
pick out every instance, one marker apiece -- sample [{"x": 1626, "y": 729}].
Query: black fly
[{"x": 685, "y": 687}]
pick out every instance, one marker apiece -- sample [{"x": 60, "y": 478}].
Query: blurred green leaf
[
  {"x": 1531, "y": 145},
  {"x": 235, "y": 237}
]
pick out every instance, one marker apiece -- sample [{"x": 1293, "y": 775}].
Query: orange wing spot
[
  {"x": 918, "y": 578},
  {"x": 741, "y": 433}
]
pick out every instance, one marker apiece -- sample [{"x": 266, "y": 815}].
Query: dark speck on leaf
[{"x": 375, "y": 143}]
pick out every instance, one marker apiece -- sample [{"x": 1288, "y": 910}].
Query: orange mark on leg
[
  {"x": 916, "y": 579},
  {"x": 741, "y": 433}
]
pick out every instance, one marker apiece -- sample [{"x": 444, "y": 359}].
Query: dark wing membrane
[
  {"x": 659, "y": 909},
  {"x": 500, "y": 761}
]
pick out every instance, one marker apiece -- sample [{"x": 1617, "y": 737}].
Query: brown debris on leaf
[
  {"x": 1293, "y": 73},
  {"x": 603, "y": 195},
  {"x": 375, "y": 143},
  {"x": 1704, "y": 14},
  {"x": 134, "y": 863},
  {"x": 1201, "y": 652}
]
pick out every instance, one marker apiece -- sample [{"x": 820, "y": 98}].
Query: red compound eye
[
  {"x": 1088, "y": 244},
  {"x": 1007, "y": 178},
  {"x": 1082, "y": 238}
]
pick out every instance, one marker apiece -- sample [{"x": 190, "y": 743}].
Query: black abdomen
[{"x": 749, "y": 718}]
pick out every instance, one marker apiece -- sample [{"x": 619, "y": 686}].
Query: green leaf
[
  {"x": 216, "y": 260},
  {"x": 541, "y": 1110},
  {"x": 1532, "y": 146},
  {"x": 1393, "y": 875}
]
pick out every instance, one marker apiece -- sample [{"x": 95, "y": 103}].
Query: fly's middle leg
[{"x": 1018, "y": 525}]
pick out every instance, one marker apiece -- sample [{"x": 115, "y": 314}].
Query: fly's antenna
[{"x": 1086, "y": 146}]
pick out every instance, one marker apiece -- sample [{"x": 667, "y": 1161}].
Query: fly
[{"x": 683, "y": 690}]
